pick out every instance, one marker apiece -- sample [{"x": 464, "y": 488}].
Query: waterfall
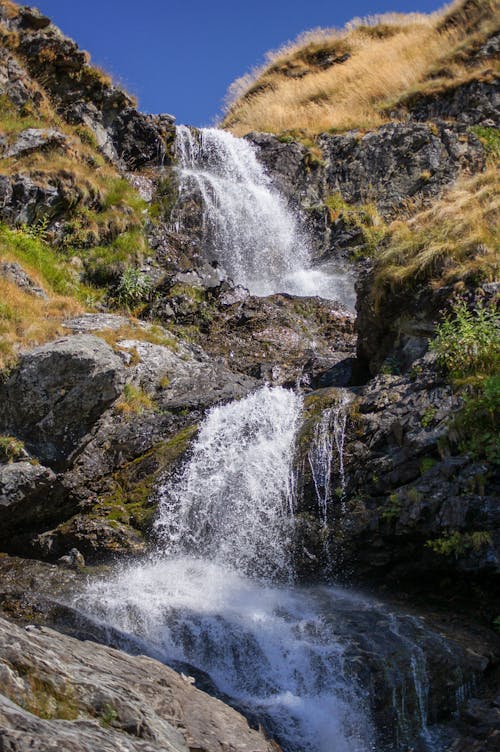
[
  {"x": 218, "y": 597},
  {"x": 247, "y": 227},
  {"x": 234, "y": 499}
]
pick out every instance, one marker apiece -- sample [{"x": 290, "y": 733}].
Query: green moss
[
  {"x": 181, "y": 290},
  {"x": 130, "y": 502},
  {"x": 165, "y": 197},
  {"x": 392, "y": 507},
  {"x": 43, "y": 698},
  {"x": 426, "y": 464}
]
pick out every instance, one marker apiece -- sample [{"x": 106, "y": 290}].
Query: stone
[
  {"x": 19, "y": 483},
  {"x": 35, "y": 139},
  {"x": 132, "y": 703},
  {"x": 25, "y": 200},
  {"x": 14, "y": 272},
  {"x": 57, "y": 392}
]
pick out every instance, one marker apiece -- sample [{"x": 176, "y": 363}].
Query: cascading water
[
  {"x": 329, "y": 437},
  {"x": 234, "y": 499},
  {"x": 247, "y": 227},
  {"x": 290, "y": 656}
]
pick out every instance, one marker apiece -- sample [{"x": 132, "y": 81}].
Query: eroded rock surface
[{"x": 81, "y": 696}]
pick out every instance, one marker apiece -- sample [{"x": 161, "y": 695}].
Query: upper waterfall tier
[{"x": 247, "y": 227}]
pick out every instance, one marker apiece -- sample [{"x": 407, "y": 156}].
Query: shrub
[
  {"x": 133, "y": 288},
  {"x": 457, "y": 544},
  {"x": 467, "y": 342}
]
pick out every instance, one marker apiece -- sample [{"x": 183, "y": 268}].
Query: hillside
[
  {"x": 249, "y": 399},
  {"x": 366, "y": 74}
]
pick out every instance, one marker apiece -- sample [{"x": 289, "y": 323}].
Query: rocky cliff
[{"x": 117, "y": 336}]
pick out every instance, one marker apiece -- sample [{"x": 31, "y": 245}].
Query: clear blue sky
[{"x": 179, "y": 56}]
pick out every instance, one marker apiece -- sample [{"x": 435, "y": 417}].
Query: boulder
[
  {"x": 58, "y": 692},
  {"x": 34, "y": 139},
  {"x": 19, "y": 483},
  {"x": 57, "y": 392}
]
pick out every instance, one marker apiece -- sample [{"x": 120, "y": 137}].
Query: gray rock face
[
  {"x": 57, "y": 393},
  {"x": 19, "y": 482},
  {"x": 472, "y": 103},
  {"x": 406, "y": 485},
  {"x": 398, "y": 161},
  {"x": 385, "y": 166},
  {"x": 58, "y": 692},
  {"x": 35, "y": 139},
  {"x": 24, "y": 200},
  {"x": 16, "y": 274}
]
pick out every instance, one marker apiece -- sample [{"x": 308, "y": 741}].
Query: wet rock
[
  {"x": 93, "y": 538},
  {"x": 157, "y": 710},
  {"x": 74, "y": 559},
  {"x": 280, "y": 337},
  {"x": 57, "y": 393},
  {"x": 407, "y": 490}
]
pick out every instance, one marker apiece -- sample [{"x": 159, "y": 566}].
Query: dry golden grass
[
  {"x": 388, "y": 56},
  {"x": 455, "y": 241},
  {"x": 26, "y": 320}
]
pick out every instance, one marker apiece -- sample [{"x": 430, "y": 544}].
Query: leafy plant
[
  {"x": 457, "y": 544},
  {"x": 134, "y": 287},
  {"x": 467, "y": 341},
  {"x": 392, "y": 507},
  {"x": 476, "y": 424},
  {"x": 490, "y": 138}
]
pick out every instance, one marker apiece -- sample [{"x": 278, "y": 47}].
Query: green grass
[
  {"x": 34, "y": 252},
  {"x": 490, "y": 138}
]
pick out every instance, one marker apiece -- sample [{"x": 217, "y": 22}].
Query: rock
[
  {"x": 74, "y": 559},
  {"x": 405, "y": 485},
  {"x": 57, "y": 392},
  {"x": 35, "y": 139},
  {"x": 16, "y": 274},
  {"x": 24, "y": 200},
  {"x": 131, "y": 703},
  {"x": 280, "y": 337},
  {"x": 472, "y": 103},
  {"x": 98, "y": 538},
  {"x": 95, "y": 322},
  {"x": 29, "y": 499},
  {"x": 20, "y": 482}
]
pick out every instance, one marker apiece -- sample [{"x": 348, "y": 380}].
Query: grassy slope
[
  {"x": 102, "y": 225},
  {"x": 331, "y": 80}
]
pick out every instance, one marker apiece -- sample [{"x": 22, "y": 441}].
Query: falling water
[
  {"x": 233, "y": 501},
  {"x": 247, "y": 227},
  {"x": 329, "y": 438},
  {"x": 218, "y": 594}
]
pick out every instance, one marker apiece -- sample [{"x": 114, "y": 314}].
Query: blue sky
[{"x": 179, "y": 56}]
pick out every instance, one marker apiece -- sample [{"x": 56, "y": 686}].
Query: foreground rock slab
[{"x": 60, "y": 693}]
